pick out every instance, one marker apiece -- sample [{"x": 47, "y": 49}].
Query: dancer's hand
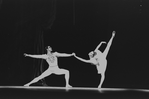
[
  {"x": 25, "y": 54},
  {"x": 113, "y": 33},
  {"x": 73, "y": 54},
  {"x": 103, "y": 42}
]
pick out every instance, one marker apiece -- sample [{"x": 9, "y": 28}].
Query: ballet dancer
[
  {"x": 51, "y": 59},
  {"x": 98, "y": 58}
]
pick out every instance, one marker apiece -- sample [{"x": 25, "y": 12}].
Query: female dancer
[{"x": 98, "y": 58}]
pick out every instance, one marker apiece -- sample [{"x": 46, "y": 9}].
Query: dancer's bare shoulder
[{"x": 55, "y": 53}]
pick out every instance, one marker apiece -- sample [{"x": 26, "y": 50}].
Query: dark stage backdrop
[{"x": 27, "y": 26}]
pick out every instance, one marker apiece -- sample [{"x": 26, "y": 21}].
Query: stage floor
[{"x": 37, "y": 92}]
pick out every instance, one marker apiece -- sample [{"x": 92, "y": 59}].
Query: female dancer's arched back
[{"x": 98, "y": 58}]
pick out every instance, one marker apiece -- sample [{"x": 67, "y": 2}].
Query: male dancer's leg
[
  {"x": 66, "y": 72},
  {"x": 43, "y": 75}
]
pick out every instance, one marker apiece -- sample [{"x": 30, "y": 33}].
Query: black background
[{"x": 94, "y": 22}]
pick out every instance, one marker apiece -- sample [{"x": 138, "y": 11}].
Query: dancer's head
[
  {"x": 49, "y": 49},
  {"x": 91, "y": 54}
]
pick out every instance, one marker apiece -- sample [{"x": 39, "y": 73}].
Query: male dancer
[
  {"x": 51, "y": 59},
  {"x": 98, "y": 58}
]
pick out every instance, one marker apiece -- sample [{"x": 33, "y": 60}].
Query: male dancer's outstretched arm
[
  {"x": 81, "y": 59},
  {"x": 109, "y": 44},
  {"x": 35, "y": 56},
  {"x": 63, "y": 54}
]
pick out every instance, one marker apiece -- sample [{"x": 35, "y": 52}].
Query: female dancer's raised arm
[
  {"x": 109, "y": 44},
  {"x": 99, "y": 45}
]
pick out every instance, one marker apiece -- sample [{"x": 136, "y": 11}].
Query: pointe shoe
[{"x": 100, "y": 89}]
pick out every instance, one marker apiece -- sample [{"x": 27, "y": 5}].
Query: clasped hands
[{"x": 74, "y": 54}]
